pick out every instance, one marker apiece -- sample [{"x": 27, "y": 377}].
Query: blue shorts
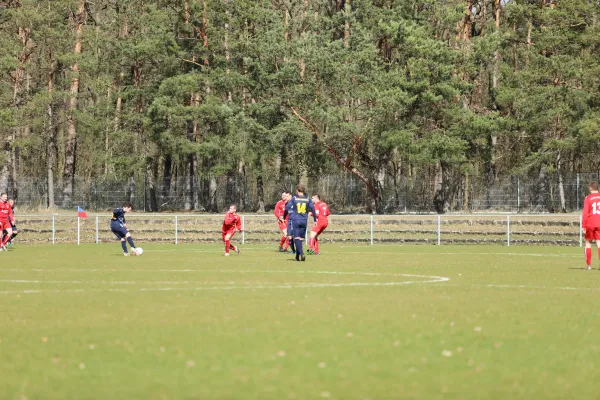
[
  {"x": 299, "y": 229},
  {"x": 290, "y": 227},
  {"x": 119, "y": 230}
]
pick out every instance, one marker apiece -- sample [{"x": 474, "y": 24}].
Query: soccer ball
[{"x": 140, "y": 251}]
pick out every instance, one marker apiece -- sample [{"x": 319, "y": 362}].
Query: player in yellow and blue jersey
[{"x": 299, "y": 207}]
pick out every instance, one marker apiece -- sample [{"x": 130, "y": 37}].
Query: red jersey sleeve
[{"x": 238, "y": 223}]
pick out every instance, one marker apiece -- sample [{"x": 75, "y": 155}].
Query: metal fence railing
[{"x": 505, "y": 229}]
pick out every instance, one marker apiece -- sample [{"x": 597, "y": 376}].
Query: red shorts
[
  {"x": 319, "y": 227},
  {"x": 282, "y": 225},
  {"x": 229, "y": 232},
  {"x": 592, "y": 234},
  {"x": 5, "y": 225}
]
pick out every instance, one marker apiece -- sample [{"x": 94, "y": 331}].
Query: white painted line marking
[{"x": 247, "y": 286}]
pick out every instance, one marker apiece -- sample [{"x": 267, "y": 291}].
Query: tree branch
[
  {"x": 192, "y": 62},
  {"x": 336, "y": 156}
]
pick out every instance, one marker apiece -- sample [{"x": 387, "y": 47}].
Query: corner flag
[{"x": 81, "y": 212}]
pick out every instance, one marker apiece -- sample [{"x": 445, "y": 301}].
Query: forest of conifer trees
[{"x": 443, "y": 99}]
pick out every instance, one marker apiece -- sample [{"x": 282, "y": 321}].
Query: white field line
[
  {"x": 399, "y": 253},
  {"x": 237, "y": 271},
  {"x": 287, "y": 286},
  {"x": 250, "y": 286},
  {"x": 503, "y": 286},
  {"x": 461, "y": 254},
  {"x": 103, "y": 282}
]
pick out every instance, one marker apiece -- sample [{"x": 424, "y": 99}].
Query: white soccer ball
[{"x": 139, "y": 250}]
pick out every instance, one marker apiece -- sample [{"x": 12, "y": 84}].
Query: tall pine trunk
[
  {"x": 492, "y": 139},
  {"x": 71, "y": 140},
  {"x": 51, "y": 150},
  {"x": 260, "y": 194}
]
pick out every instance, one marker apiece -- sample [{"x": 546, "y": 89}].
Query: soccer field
[{"x": 357, "y": 322}]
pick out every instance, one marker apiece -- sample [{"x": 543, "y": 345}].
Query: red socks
[
  {"x": 588, "y": 256},
  {"x": 313, "y": 244},
  {"x": 227, "y": 246},
  {"x": 282, "y": 241}
]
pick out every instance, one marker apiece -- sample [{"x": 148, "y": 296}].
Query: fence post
[
  {"x": 518, "y": 194},
  {"x": 176, "y": 222},
  {"x": 508, "y": 230},
  {"x": 243, "y": 230},
  {"x": 580, "y": 231},
  {"x": 97, "y": 241},
  {"x": 78, "y": 230},
  {"x": 439, "y": 230},
  {"x": 53, "y": 228},
  {"x": 577, "y": 205},
  {"x": 371, "y": 230},
  {"x": 405, "y": 194}
]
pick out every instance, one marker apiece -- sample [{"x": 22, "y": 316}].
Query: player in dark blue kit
[
  {"x": 301, "y": 205},
  {"x": 290, "y": 226},
  {"x": 118, "y": 226}
]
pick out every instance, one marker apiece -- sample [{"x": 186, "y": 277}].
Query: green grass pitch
[{"x": 357, "y": 322}]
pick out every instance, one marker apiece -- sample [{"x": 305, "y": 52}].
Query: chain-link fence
[{"x": 343, "y": 192}]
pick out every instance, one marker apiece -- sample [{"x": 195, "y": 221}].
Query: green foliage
[{"x": 383, "y": 83}]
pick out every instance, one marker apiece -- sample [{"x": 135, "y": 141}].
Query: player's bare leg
[
  {"x": 311, "y": 242},
  {"x": 130, "y": 241},
  {"x": 124, "y": 247},
  {"x": 14, "y": 235},
  {"x": 588, "y": 255},
  {"x": 6, "y": 238},
  {"x": 228, "y": 245},
  {"x": 227, "y": 242},
  {"x": 283, "y": 243},
  {"x": 286, "y": 242}
]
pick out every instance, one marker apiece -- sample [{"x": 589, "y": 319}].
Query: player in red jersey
[
  {"x": 590, "y": 222},
  {"x": 232, "y": 222},
  {"x": 7, "y": 220},
  {"x": 15, "y": 232},
  {"x": 323, "y": 214},
  {"x": 283, "y": 223}
]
